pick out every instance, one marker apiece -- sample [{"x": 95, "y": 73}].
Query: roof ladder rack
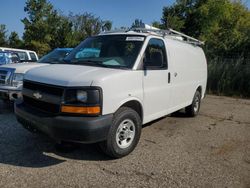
[
  {"x": 188, "y": 38},
  {"x": 168, "y": 32},
  {"x": 162, "y": 33}
]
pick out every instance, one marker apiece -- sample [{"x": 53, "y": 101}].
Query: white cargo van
[{"x": 112, "y": 84}]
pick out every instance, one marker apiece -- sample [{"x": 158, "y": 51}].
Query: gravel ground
[{"x": 211, "y": 150}]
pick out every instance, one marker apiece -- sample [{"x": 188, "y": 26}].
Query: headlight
[
  {"x": 17, "y": 79},
  {"x": 81, "y": 96},
  {"x": 82, "y": 101}
]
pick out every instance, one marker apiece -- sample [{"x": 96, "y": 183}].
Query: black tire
[
  {"x": 111, "y": 146},
  {"x": 193, "y": 109}
]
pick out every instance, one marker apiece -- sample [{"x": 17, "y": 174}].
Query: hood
[
  {"x": 23, "y": 67},
  {"x": 69, "y": 75}
]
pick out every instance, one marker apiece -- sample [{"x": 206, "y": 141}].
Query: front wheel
[
  {"x": 193, "y": 109},
  {"x": 124, "y": 133}
]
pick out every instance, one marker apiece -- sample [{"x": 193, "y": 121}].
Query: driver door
[{"x": 156, "y": 80}]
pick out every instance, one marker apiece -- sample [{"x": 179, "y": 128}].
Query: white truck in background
[
  {"x": 24, "y": 55},
  {"x": 11, "y": 75},
  {"x": 112, "y": 84}
]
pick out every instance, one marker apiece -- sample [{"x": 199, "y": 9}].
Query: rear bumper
[{"x": 65, "y": 128}]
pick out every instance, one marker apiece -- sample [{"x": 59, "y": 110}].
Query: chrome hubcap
[{"x": 125, "y": 133}]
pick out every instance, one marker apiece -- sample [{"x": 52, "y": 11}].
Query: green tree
[
  {"x": 157, "y": 24},
  {"x": 46, "y": 29},
  {"x": 14, "y": 41},
  {"x": 83, "y": 26},
  {"x": 172, "y": 17},
  {"x": 106, "y": 25},
  {"x": 137, "y": 23},
  {"x": 223, "y": 25},
  {"x": 3, "y": 37},
  {"x": 37, "y": 25},
  {"x": 61, "y": 31}
]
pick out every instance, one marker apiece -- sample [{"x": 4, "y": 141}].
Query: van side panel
[{"x": 189, "y": 71}]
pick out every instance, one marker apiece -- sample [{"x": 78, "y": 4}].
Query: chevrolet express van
[{"x": 112, "y": 84}]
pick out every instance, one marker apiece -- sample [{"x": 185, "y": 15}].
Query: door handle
[{"x": 169, "y": 77}]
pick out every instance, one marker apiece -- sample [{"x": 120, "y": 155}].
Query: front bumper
[
  {"x": 65, "y": 128},
  {"x": 10, "y": 93}
]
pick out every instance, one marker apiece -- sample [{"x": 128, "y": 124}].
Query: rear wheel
[
  {"x": 124, "y": 133},
  {"x": 193, "y": 109}
]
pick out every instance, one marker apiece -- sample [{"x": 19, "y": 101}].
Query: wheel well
[
  {"x": 199, "y": 89},
  {"x": 135, "y": 105}
]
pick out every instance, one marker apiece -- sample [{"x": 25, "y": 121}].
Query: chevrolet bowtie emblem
[{"x": 37, "y": 95}]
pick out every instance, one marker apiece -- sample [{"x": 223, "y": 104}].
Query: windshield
[
  {"x": 54, "y": 56},
  {"x": 113, "y": 51}
]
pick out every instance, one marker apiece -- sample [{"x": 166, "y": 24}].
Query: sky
[{"x": 120, "y": 12}]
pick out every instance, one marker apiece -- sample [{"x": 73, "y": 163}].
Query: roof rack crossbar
[
  {"x": 189, "y": 39},
  {"x": 115, "y": 31},
  {"x": 170, "y": 32},
  {"x": 163, "y": 33}
]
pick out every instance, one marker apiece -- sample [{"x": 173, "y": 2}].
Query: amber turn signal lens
[{"x": 81, "y": 109}]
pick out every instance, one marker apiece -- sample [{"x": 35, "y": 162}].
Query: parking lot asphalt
[{"x": 211, "y": 150}]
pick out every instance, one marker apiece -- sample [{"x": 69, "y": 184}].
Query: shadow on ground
[{"x": 19, "y": 147}]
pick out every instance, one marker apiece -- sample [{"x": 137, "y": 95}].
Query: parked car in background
[
  {"x": 11, "y": 75},
  {"x": 8, "y": 58},
  {"x": 24, "y": 55},
  {"x": 112, "y": 84}
]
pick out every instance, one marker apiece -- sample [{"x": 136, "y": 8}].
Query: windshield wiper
[
  {"x": 97, "y": 63},
  {"x": 50, "y": 62},
  {"x": 85, "y": 61}
]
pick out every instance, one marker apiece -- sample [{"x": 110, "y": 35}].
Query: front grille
[
  {"x": 3, "y": 72},
  {"x": 6, "y": 75},
  {"x": 41, "y": 105},
  {"x": 50, "y": 100},
  {"x": 44, "y": 88}
]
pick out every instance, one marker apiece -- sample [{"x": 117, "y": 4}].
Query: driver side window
[{"x": 155, "y": 55}]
